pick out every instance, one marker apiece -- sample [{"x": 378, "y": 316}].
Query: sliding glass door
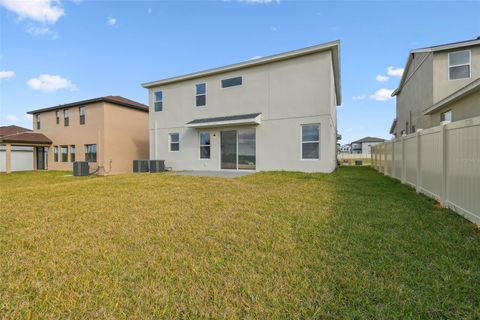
[{"x": 238, "y": 149}]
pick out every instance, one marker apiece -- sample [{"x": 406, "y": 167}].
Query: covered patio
[{"x": 17, "y": 136}]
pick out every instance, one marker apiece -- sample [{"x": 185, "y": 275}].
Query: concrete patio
[{"x": 216, "y": 174}]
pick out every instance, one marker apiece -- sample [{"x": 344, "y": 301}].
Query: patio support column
[{"x": 8, "y": 158}]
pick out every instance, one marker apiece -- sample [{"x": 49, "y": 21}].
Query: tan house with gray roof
[
  {"x": 440, "y": 83},
  {"x": 108, "y": 132}
]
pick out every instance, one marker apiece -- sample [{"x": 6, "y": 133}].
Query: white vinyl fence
[{"x": 442, "y": 162}]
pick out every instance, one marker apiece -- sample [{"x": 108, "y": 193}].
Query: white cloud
[
  {"x": 381, "y": 78},
  {"x": 394, "y": 72},
  {"x": 111, "y": 21},
  {"x": 11, "y": 118},
  {"x": 360, "y": 97},
  {"x": 6, "y": 74},
  {"x": 255, "y": 58},
  {"x": 51, "y": 83},
  {"x": 382, "y": 95},
  {"x": 44, "y": 11},
  {"x": 27, "y": 116}
]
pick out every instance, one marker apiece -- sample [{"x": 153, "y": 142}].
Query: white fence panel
[{"x": 441, "y": 162}]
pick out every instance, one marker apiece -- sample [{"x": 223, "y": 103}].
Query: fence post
[
  {"x": 403, "y": 161},
  {"x": 385, "y": 158},
  {"x": 443, "y": 155},
  {"x": 419, "y": 160}
]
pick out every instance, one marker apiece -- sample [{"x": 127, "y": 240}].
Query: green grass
[{"x": 350, "y": 245}]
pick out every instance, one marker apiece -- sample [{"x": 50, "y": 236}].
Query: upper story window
[
  {"x": 232, "y": 82},
  {"x": 66, "y": 121},
  {"x": 446, "y": 116},
  {"x": 81, "y": 111},
  {"x": 174, "y": 142},
  {"x": 158, "y": 103},
  {"x": 57, "y": 116},
  {"x": 38, "y": 121},
  {"x": 459, "y": 65},
  {"x": 311, "y": 141},
  {"x": 201, "y": 94}
]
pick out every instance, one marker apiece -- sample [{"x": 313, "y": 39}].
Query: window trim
[
  {"x": 204, "y": 94},
  {"x": 469, "y": 64},
  {"x": 96, "y": 152},
  {"x": 66, "y": 117},
  {"x": 238, "y": 85},
  {"x": 73, "y": 148},
  {"x": 200, "y": 145},
  {"x": 64, "y": 147},
  {"x": 444, "y": 112},
  {"x": 170, "y": 142},
  {"x": 302, "y": 142},
  {"x": 155, "y": 100},
  {"x": 38, "y": 121},
  {"x": 82, "y": 117},
  {"x": 57, "y": 116}
]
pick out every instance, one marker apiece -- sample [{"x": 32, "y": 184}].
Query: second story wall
[
  {"x": 416, "y": 94},
  {"x": 297, "y": 87},
  {"x": 442, "y": 86}
]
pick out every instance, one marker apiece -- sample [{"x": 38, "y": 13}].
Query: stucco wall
[
  {"x": 126, "y": 138},
  {"x": 287, "y": 93},
  {"x": 416, "y": 94},
  {"x": 467, "y": 107},
  {"x": 444, "y": 87}
]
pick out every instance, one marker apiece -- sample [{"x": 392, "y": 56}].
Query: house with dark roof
[
  {"x": 17, "y": 146},
  {"x": 364, "y": 145},
  {"x": 108, "y": 132},
  {"x": 271, "y": 113},
  {"x": 440, "y": 84}
]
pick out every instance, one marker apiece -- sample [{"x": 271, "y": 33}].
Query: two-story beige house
[
  {"x": 108, "y": 132},
  {"x": 272, "y": 113},
  {"x": 439, "y": 84}
]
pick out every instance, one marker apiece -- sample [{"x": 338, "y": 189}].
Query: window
[
  {"x": 64, "y": 151},
  {"x": 72, "y": 153},
  {"x": 57, "y": 116},
  {"x": 201, "y": 94},
  {"x": 311, "y": 141},
  {"x": 91, "y": 152},
  {"x": 55, "y": 153},
  {"x": 237, "y": 81},
  {"x": 158, "y": 103},
  {"x": 38, "y": 121},
  {"x": 81, "y": 111},
  {"x": 459, "y": 65},
  {"x": 174, "y": 142},
  {"x": 65, "y": 117},
  {"x": 446, "y": 116},
  {"x": 204, "y": 145}
]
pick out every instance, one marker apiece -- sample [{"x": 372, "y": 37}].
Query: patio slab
[{"x": 217, "y": 174}]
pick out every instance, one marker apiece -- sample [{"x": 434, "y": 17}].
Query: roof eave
[
  {"x": 89, "y": 101},
  {"x": 457, "y": 95}
]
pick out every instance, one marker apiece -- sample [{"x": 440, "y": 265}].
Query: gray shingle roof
[
  {"x": 226, "y": 118},
  {"x": 369, "y": 139}
]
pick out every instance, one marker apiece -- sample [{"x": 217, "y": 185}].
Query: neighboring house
[
  {"x": 272, "y": 113},
  {"x": 440, "y": 83},
  {"x": 21, "y": 156},
  {"x": 109, "y": 132},
  {"x": 346, "y": 148},
  {"x": 364, "y": 145}
]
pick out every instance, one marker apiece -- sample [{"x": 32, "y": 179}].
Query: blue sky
[{"x": 54, "y": 52}]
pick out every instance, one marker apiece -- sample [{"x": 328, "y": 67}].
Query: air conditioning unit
[
  {"x": 80, "y": 168},
  {"x": 140, "y": 165},
  {"x": 157, "y": 165}
]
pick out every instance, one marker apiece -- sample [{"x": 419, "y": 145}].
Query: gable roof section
[
  {"x": 251, "y": 118},
  {"x": 26, "y": 137},
  {"x": 333, "y": 46},
  {"x": 8, "y": 130},
  {"x": 442, "y": 47},
  {"x": 369, "y": 139},
  {"x": 472, "y": 87},
  {"x": 116, "y": 100}
]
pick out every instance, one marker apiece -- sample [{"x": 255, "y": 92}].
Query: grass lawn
[{"x": 353, "y": 244}]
